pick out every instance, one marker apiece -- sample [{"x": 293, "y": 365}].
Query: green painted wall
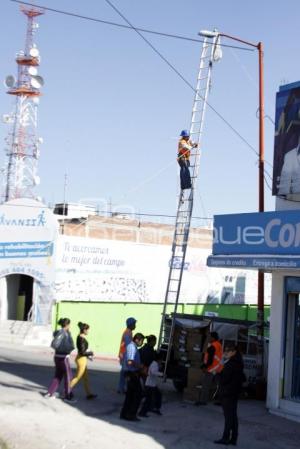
[{"x": 107, "y": 320}]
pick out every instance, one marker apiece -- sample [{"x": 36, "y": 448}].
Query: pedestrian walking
[
  {"x": 185, "y": 146},
  {"x": 81, "y": 360},
  {"x": 132, "y": 367},
  {"x": 231, "y": 380},
  {"x": 63, "y": 345},
  {"x": 153, "y": 396},
  {"x": 125, "y": 340},
  {"x": 212, "y": 365}
]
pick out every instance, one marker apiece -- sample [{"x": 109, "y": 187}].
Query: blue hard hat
[
  {"x": 130, "y": 321},
  {"x": 185, "y": 133}
]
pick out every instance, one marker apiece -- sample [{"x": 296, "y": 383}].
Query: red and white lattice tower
[{"x": 22, "y": 142}]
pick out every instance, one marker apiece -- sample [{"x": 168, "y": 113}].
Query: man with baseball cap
[{"x": 125, "y": 340}]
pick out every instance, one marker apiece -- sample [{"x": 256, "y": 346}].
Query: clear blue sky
[{"x": 111, "y": 109}]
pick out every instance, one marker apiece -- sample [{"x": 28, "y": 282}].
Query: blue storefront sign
[
  {"x": 257, "y": 233},
  {"x": 269, "y": 240}
]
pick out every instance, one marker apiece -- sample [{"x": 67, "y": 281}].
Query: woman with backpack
[
  {"x": 63, "y": 345},
  {"x": 81, "y": 360}
]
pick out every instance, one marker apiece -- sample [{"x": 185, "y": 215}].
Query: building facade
[
  {"x": 270, "y": 242},
  {"x": 103, "y": 269}
]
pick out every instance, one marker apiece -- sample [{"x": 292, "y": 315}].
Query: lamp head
[{"x": 207, "y": 33}]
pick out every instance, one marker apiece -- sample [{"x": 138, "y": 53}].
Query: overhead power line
[
  {"x": 104, "y": 212},
  {"x": 171, "y": 66},
  {"x": 120, "y": 25},
  {"x": 181, "y": 76}
]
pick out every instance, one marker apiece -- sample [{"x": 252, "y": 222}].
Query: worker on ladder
[{"x": 184, "y": 152}]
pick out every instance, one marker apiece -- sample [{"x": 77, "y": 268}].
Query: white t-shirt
[{"x": 153, "y": 374}]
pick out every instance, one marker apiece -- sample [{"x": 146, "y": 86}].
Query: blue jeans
[
  {"x": 122, "y": 381},
  {"x": 185, "y": 176}
]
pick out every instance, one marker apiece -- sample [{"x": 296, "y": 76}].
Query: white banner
[
  {"x": 109, "y": 270},
  {"x": 28, "y": 231}
]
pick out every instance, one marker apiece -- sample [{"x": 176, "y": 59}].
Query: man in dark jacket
[
  {"x": 231, "y": 380},
  {"x": 147, "y": 352}
]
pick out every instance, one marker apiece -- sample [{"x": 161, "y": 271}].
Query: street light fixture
[{"x": 207, "y": 33}]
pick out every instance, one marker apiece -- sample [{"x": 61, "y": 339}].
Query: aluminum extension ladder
[{"x": 186, "y": 197}]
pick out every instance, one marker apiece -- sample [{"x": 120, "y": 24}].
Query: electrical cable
[
  {"x": 138, "y": 31},
  {"x": 181, "y": 76},
  {"x": 102, "y": 211},
  {"x": 267, "y": 183},
  {"x": 171, "y": 66},
  {"x": 106, "y": 22},
  {"x": 268, "y": 174}
]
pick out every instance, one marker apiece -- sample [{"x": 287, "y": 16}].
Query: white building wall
[{"x": 275, "y": 401}]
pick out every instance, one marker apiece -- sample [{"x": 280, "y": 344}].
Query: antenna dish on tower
[
  {"x": 7, "y": 118},
  {"x": 32, "y": 71},
  {"x": 37, "y": 81},
  {"x": 34, "y": 52},
  {"x": 36, "y": 180},
  {"x": 9, "y": 81}
]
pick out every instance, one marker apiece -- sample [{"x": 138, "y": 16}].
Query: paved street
[{"x": 30, "y": 421}]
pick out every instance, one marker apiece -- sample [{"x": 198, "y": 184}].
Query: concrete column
[{"x": 276, "y": 360}]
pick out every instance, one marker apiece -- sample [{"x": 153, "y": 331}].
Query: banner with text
[{"x": 108, "y": 270}]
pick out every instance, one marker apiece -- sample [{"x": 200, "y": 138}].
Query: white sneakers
[{"x": 49, "y": 396}]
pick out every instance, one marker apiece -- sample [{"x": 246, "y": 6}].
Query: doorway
[
  {"x": 292, "y": 341},
  {"x": 16, "y": 297}
]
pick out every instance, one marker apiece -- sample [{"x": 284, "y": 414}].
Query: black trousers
[
  {"x": 152, "y": 400},
  {"x": 185, "y": 176},
  {"x": 229, "y": 405},
  {"x": 133, "y": 395}
]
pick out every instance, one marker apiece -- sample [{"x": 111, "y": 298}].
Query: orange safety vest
[
  {"x": 184, "y": 153},
  {"x": 122, "y": 349},
  {"x": 216, "y": 366}
]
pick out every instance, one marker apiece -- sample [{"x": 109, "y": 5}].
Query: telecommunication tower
[{"x": 22, "y": 142}]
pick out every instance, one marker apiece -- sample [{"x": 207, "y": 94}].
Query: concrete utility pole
[{"x": 261, "y": 196}]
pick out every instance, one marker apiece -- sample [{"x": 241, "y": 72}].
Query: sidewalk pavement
[{"x": 28, "y": 421}]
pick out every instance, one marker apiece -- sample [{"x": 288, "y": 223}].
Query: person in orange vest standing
[
  {"x": 185, "y": 146},
  {"x": 212, "y": 365},
  {"x": 125, "y": 340}
]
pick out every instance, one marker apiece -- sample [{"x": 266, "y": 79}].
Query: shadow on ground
[{"x": 182, "y": 426}]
